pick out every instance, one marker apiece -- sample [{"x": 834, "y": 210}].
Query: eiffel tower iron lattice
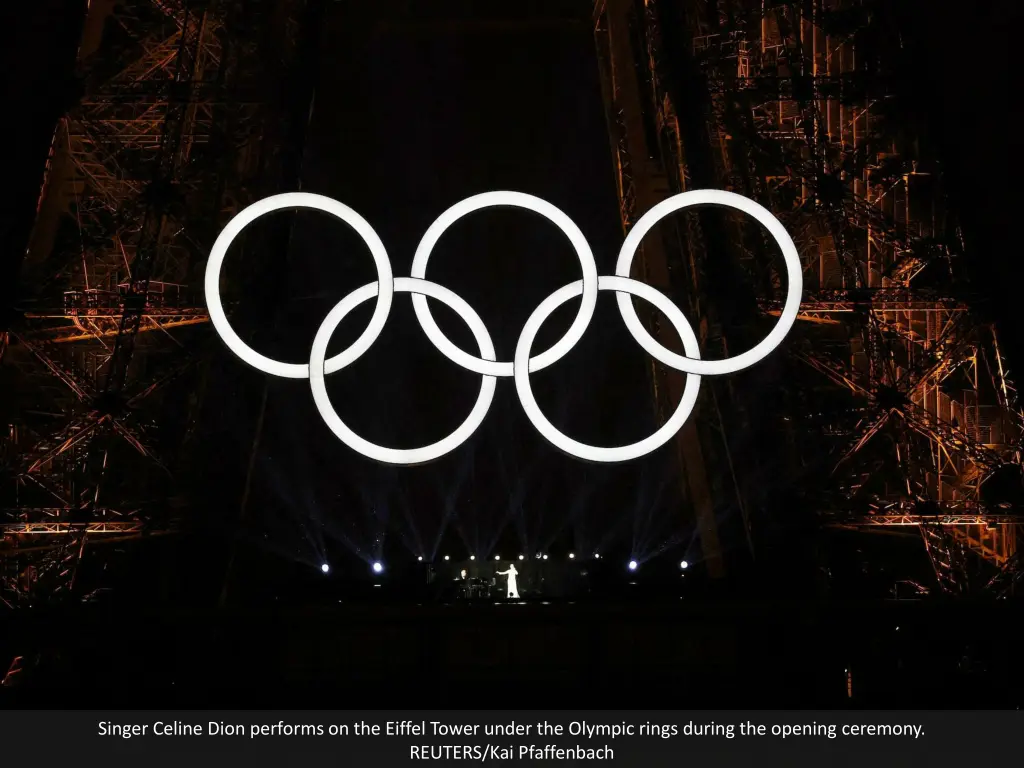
[
  {"x": 171, "y": 133},
  {"x": 907, "y": 412}
]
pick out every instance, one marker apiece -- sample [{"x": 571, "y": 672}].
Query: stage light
[
  {"x": 521, "y": 557},
  {"x": 632, "y": 565},
  {"x": 597, "y": 556},
  {"x": 420, "y": 558},
  {"x": 325, "y": 567},
  {"x": 684, "y": 565},
  {"x": 377, "y": 567},
  {"x": 472, "y": 557},
  {"x": 446, "y": 558},
  {"x": 497, "y": 557},
  {"x": 545, "y": 557},
  {"x": 571, "y": 556}
]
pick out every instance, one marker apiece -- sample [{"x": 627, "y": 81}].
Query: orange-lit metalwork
[
  {"x": 794, "y": 112},
  {"x": 160, "y": 148}
]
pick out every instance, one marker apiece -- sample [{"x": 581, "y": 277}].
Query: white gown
[{"x": 512, "y": 589}]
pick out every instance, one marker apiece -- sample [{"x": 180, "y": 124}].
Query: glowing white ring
[
  {"x": 690, "y": 363},
  {"x": 623, "y": 286},
  {"x": 486, "y": 365},
  {"x": 515, "y": 200},
  {"x": 394, "y": 455},
  {"x": 317, "y": 203}
]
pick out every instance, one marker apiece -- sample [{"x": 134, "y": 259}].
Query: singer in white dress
[{"x": 511, "y": 573}]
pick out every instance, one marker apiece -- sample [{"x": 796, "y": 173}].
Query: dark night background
[
  {"x": 392, "y": 136},
  {"x": 408, "y": 120}
]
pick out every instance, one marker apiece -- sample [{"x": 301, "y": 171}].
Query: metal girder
[
  {"x": 142, "y": 169},
  {"x": 945, "y": 520},
  {"x": 1009, "y": 576},
  {"x": 948, "y": 555},
  {"x": 55, "y": 520},
  {"x": 797, "y": 120},
  {"x": 641, "y": 184},
  {"x": 845, "y": 300}
]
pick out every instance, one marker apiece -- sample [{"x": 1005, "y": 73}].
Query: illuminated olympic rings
[{"x": 490, "y": 369}]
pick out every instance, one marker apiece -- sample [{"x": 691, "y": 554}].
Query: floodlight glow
[
  {"x": 487, "y": 365},
  {"x": 684, "y": 565},
  {"x": 571, "y": 556},
  {"x": 325, "y": 567},
  {"x": 377, "y": 567},
  {"x": 420, "y": 558},
  {"x": 521, "y": 557},
  {"x": 632, "y": 565},
  {"x": 545, "y": 557},
  {"x": 497, "y": 557},
  {"x": 446, "y": 558}
]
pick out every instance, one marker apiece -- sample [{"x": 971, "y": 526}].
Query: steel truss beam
[
  {"x": 58, "y": 528},
  {"x": 159, "y": 150},
  {"x": 915, "y": 520},
  {"x": 641, "y": 185},
  {"x": 799, "y": 119}
]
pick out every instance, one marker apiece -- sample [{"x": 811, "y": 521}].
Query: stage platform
[{"x": 672, "y": 653}]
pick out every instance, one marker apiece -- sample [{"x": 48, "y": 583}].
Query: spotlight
[
  {"x": 597, "y": 556},
  {"x": 472, "y": 557},
  {"x": 497, "y": 557},
  {"x": 420, "y": 558},
  {"x": 325, "y": 567},
  {"x": 684, "y": 565},
  {"x": 572, "y": 556},
  {"x": 521, "y": 557},
  {"x": 632, "y": 565},
  {"x": 377, "y": 567},
  {"x": 446, "y": 558},
  {"x": 545, "y": 557}
]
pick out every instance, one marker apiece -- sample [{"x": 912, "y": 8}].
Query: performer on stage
[{"x": 511, "y": 573}]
